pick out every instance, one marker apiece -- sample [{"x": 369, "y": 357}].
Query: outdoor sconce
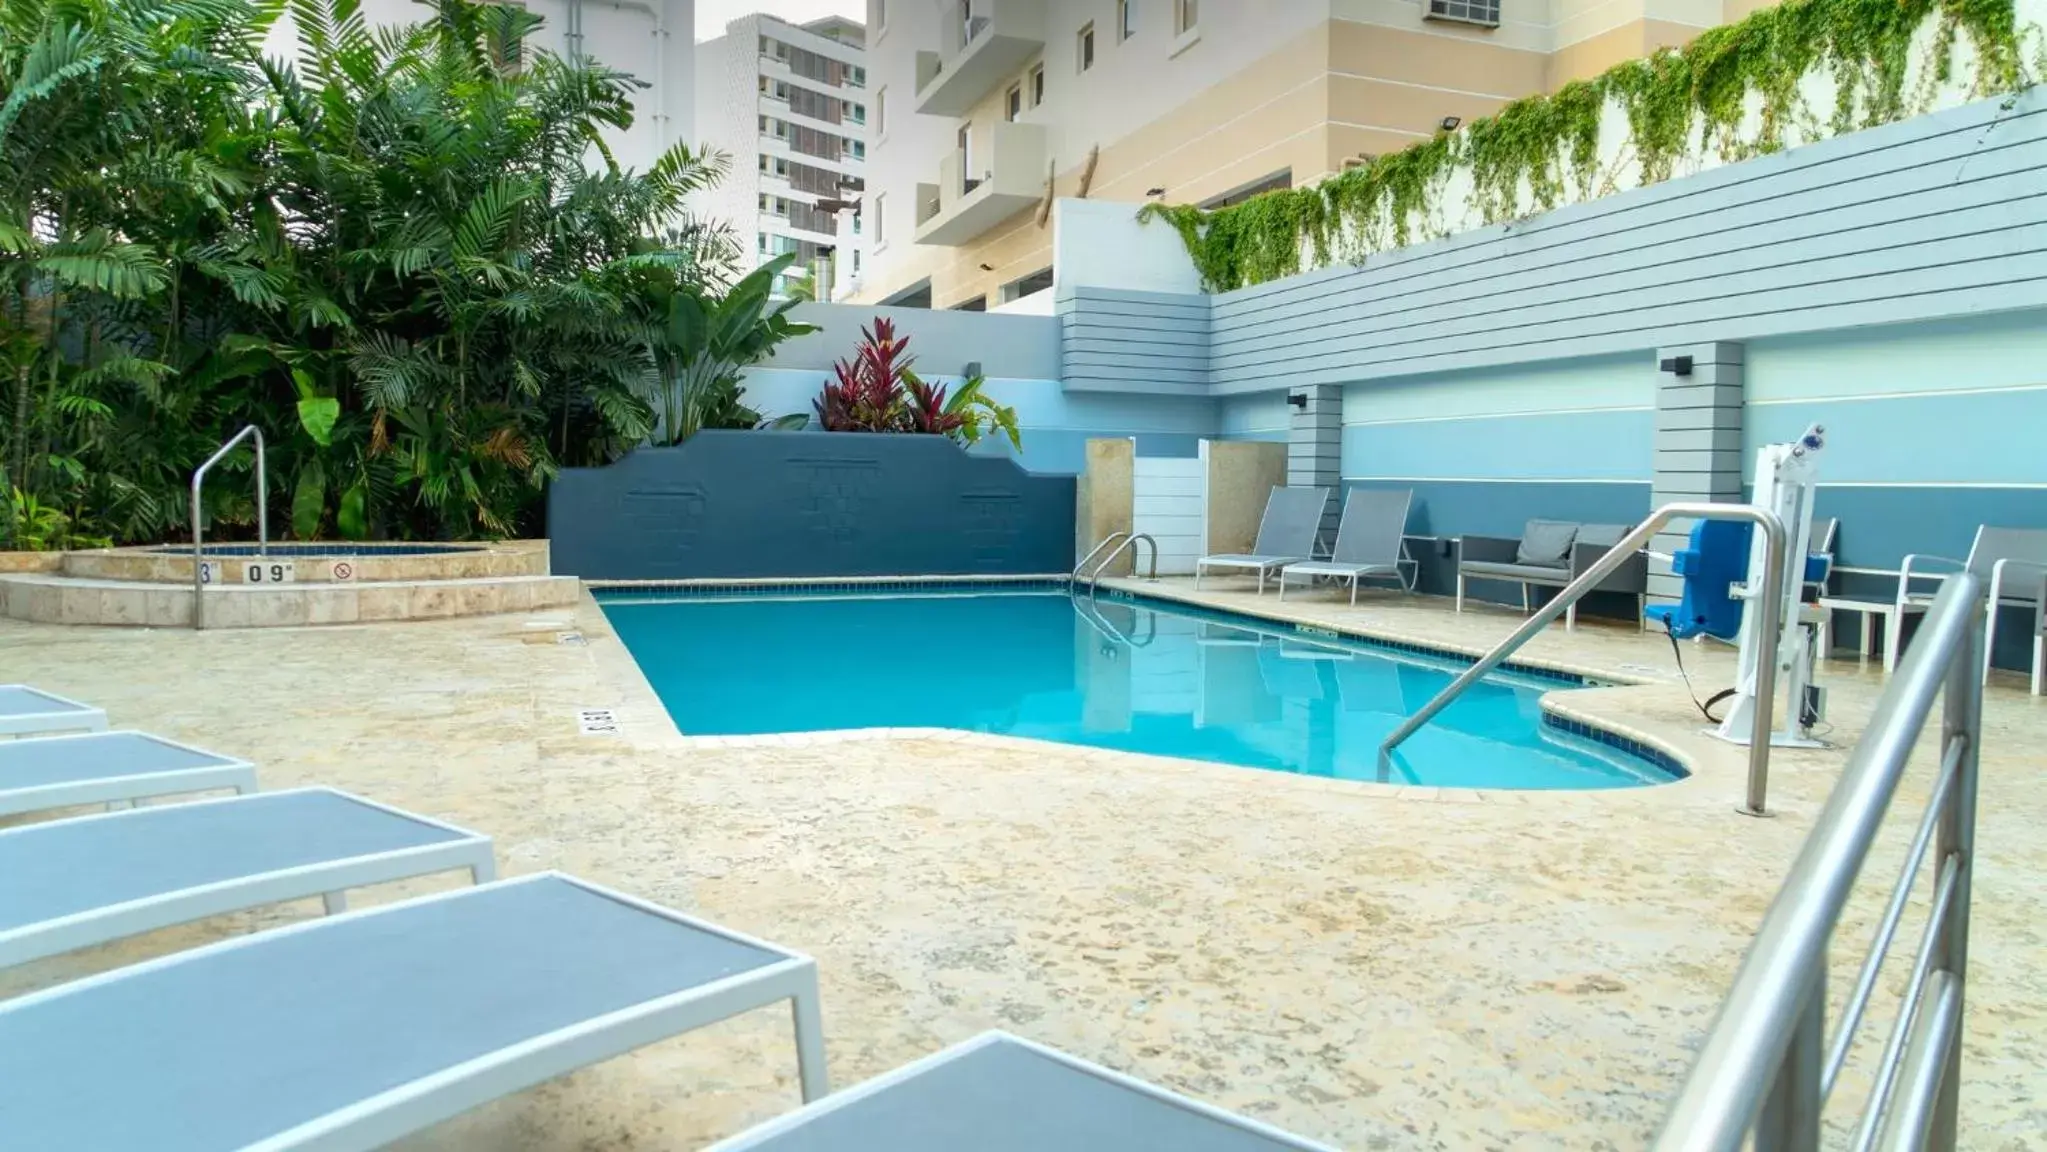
[
  {"x": 1154, "y": 191},
  {"x": 1677, "y": 365},
  {"x": 1450, "y": 123},
  {"x": 1298, "y": 400},
  {"x": 972, "y": 370}
]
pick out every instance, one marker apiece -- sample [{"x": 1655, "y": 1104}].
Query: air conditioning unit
[{"x": 1484, "y": 13}]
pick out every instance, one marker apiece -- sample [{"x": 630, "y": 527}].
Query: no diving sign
[{"x": 343, "y": 571}]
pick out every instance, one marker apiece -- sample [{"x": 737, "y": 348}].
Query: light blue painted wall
[
  {"x": 1056, "y": 424},
  {"x": 1581, "y": 420},
  {"x": 1256, "y": 416}
]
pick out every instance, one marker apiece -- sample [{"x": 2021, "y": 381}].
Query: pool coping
[{"x": 1654, "y": 750}]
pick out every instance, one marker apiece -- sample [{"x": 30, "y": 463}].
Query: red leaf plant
[{"x": 869, "y": 394}]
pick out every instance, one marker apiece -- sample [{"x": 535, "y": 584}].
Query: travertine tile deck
[{"x": 1377, "y": 967}]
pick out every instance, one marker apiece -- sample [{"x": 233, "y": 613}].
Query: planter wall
[{"x": 765, "y": 505}]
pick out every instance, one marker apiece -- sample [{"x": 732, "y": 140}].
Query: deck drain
[
  {"x": 596, "y": 722},
  {"x": 572, "y": 639}
]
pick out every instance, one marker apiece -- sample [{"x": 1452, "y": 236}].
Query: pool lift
[{"x": 1717, "y": 565}]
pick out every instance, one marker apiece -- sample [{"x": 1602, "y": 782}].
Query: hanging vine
[{"x": 1734, "y": 90}]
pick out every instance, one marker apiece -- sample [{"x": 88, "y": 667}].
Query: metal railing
[
  {"x": 1767, "y": 1067},
  {"x": 1092, "y": 613},
  {"x": 1124, "y": 541},
  {"x": 1769, "y": 605},
  {"x": 198, "y": 528}
]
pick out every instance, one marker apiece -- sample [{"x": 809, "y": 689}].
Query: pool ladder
[{"x": 1115, "y": 544}]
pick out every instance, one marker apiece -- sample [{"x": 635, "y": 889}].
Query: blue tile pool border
[{"x": 716, "y": 590}]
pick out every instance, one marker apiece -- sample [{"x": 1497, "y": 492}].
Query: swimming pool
[{"x": 1141, "y": 676}]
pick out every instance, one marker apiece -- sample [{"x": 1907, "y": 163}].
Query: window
[
  {"x": 1037, "y": 85},
  {"x": 1186, "y": 16},
  {"x": 880, "y": 218},
  {"x": 1084, "y": 48},
  {"x": 1485, "y": 13},
  {"x": 881, "y": 112},
  {"x": 966, "y": 141},
  {"x": 1012, "y": 104},
  {"x": 856, "y": 251},
  {"x": 858, "y": 77},
  {"x": 859, "y": 150},
  {"x": 1018, "y": 289},
  {"x": 857, "y": 113},
  {"x": 1126, "y": 20}
]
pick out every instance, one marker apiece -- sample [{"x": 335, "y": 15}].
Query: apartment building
[
  {"x": 650, "y": 39},
  {"x": 789, "y": 103},
  {"x": 984, "y": 110}
]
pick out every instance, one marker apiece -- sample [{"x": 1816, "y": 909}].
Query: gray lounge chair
[
  {"x": 2012, "y": 560},
  {"x": 999, "y": 1093},
  {"x": 350, "y": 1031},
  {"x": 2040, "y": 637},
  {"x": 109, "y": 768},
  {"x": 1551, "y": 554},
  {"x": 26, "y": 711},
  {"x": 1370, "y": 542},
  {"x": 1286, "y": 535},
  {"x": 68, "y": 884}
]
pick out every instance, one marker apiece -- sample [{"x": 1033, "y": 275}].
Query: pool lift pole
[{"x": 1785, "y": 477}]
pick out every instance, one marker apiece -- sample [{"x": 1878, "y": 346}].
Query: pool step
[{"x": 47, "y": 598}]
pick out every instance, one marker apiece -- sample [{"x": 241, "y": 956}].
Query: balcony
[
  {"x": 1009, "y": 178},
  {"x": 980, "y": 53}
]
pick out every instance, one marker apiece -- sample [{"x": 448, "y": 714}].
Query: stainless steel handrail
[
  {"x": 1106, "y": 541},
  {"x": 1768, "y": 605},
  {"x": 1094, "y": 578},
  {"x": 1765, "y": 1067},
  {"x": 1092, "y": 613},
  {"x": 198, "y": 529}
]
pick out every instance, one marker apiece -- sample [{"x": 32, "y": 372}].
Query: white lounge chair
[
  {"x": 68, "y": 884},
  {"x": 1286, "y": 535},
  {"x": 1370, "y": 542},
  {"x": 109, "y": 768},
  {"x": 26, "y": 711},
  {"x": 999, "y": 1093},
  {"x": 2013, "y": 560},
  {"x": 350, "y": 1031}
]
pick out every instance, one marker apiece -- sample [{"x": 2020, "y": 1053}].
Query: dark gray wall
[{"x": 808, "y": 504}]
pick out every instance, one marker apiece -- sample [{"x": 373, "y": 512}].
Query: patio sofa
[{"x": 1551, "y": 554}]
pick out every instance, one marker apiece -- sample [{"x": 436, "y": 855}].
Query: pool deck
[{"x": 1378, "y": 967}]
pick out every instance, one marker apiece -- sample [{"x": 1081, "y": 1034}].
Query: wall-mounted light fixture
[
  {"x": 1298, "y": 400},
  {"x": 972, "y": 370},
  {"x": 1450, "y": 123},
  {"x": 1677, "y": 365},
  {"x": 987, "y": 267},
  {"x": 1154, "y": 191}
]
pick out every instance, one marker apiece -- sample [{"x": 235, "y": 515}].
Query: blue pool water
[
  {"x": 326, "y": 548},
  {"x": 1167, "y": 681}
]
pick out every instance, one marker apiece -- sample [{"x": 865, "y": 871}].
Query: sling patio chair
[
  {"x": 1286, "y": 535},
  {"x": 1370, "y": 542},
  {"x": 26, "y": 711},
  {"x": 109, "y": 768}
]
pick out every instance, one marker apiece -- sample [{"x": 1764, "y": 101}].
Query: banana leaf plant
[{"x": 707, "y": 340}]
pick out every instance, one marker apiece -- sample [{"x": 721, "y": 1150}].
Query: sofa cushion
[
  {"x": 1525, "y": 573},
  {"x": 1546, "y": 542}
]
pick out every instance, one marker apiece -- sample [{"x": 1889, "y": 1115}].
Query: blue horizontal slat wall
[
  {"x": 1120, "y": 340},
  {"x": 1942, "y": 215}
]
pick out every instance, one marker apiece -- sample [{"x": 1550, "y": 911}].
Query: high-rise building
[
  {"x": 650, "y": 39},
  {"x": 985, "y": 109},
  {"x": 789, "y": 103}
]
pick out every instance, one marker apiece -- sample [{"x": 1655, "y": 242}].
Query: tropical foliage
[
  {"x": 877, "y": 391},
  {"x": 409, "y": 257}
]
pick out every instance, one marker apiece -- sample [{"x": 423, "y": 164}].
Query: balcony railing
[
  {"x": 972, "y": 196},
  {"x": 983, "y": 51}
]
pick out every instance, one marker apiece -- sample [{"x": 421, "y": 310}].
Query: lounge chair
[
  {"x": 2012, "y": 560},
  {"x": 999, "y": 1093},
  {"x": 26, "y": 711},
  {"x": 109, "y": 768},
  {"x": 68, "y": 884},
  {"x": 1370, "y": 542},
  {"x": 1286, "y": 535},
  {"x": 2040, "y": 637},
  {"x": 1551, "y": 554},
  {"x": 351, "y": 1031}
]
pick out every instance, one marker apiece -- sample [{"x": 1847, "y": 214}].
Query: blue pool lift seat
[{"x": 1712, "y": 563}]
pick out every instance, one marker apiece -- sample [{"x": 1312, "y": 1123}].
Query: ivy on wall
[{"x": 1735, "y": 91}]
